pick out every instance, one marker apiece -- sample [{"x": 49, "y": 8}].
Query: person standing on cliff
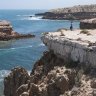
[{"x": 71, "y": 27}]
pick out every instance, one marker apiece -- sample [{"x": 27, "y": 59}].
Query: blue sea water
[{"x": 25, "y": 52}]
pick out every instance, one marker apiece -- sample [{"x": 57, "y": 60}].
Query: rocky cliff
[
  {"x": 78, "y": 46},
  {"x": 59, "y": 72},
  {"x": 88, "y": 24},
  {"x": 75, "y": 12},
  {"x": 51, "y": 77}
]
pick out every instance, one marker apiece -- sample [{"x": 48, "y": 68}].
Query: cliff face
[
  {"x": 76, "y": 12},
  {"x": 61, "y": 71},
  {"x": 76, "y": 46}
]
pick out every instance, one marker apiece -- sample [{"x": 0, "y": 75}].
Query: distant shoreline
[{"x": 71, "y": 13}]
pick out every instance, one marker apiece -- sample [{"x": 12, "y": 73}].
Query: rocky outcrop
[
  {"x": 75, "y": 12},
  {"x": 44, "y": 80},
  {"x": 14, "y": 80},
  {"x": 58, "y": 80},
  {"x": 61, "y": 71},
  {"x": 88, "y": 24},
  {"x": 77, "y": 46},
  {"x": 7, "y": 33}
]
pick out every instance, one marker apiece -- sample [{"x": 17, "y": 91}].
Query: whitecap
[
  {"x": 3, "y": 73},
  {"x": 41, "y": 44},
  {"x": 25, "y": 15},
  {"x": 17, "y": 48},
  {"x": 32, "y": 18},
  {"x": 22, "y": 47}
]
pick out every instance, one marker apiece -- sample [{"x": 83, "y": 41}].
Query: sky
[{"x": 42, "y": 4}]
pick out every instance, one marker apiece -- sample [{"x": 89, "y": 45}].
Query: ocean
[{"x": 25, "y": 52}]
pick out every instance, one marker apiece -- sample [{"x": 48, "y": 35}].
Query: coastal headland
[
  {"x": 75, "y": 13},
  {"x": 68, "y": 68},
  {"x": 7, "y": 32}
]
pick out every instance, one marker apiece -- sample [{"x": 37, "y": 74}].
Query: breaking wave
[
  {"x": 17, "y": 48},
  {"x": 29, "y": 17}
]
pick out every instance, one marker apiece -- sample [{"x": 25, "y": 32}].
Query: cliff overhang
[{"x": 77, "y": 45}]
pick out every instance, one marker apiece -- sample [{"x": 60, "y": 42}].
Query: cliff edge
[{"x": 68, "y": 68}]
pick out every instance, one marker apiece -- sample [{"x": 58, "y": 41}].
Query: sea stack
[{"x": 7, "y": 32}]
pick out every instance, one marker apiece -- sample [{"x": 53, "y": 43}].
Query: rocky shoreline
[
  {"x": 75, "y": 13},
  {"x": 56, "y": 74},
  {"x": 51, "y": 77}
]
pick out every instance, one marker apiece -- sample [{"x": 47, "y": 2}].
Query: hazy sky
[{"x": 41, "y": 4}]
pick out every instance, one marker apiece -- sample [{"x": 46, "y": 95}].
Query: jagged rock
[
  {"x": 25, "y": 94},
  {"x": 21, "y": 89},
  {"x": 14, "y": 80},
  {"x": 62, "y": 82},
  {"x": 56, "y": 81},
  {"x": 34, "y": 90},
  {"x": 93, "y": 83}
]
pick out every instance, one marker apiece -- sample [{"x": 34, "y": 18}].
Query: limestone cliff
[
  {"x": 68, "y": 68},
  {"x": 75, "y": 12}
]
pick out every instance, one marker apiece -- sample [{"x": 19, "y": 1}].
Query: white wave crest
[
  {"x": 32, "y": 18},
  {"x": 25, "y": 15},
  {"x": 3, "y": 73},
  {"x": 21, "y": 47},
  {"x": 17, "y": 48},
  {"x": 41, "y": 44}
]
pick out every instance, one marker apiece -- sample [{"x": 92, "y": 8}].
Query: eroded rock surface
[
  {"x": 14, "y": 80},
  {"x": 7, "y": 32},
  {"x": 61, "y": 71},
  {"x": 57, "y": 80}
]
